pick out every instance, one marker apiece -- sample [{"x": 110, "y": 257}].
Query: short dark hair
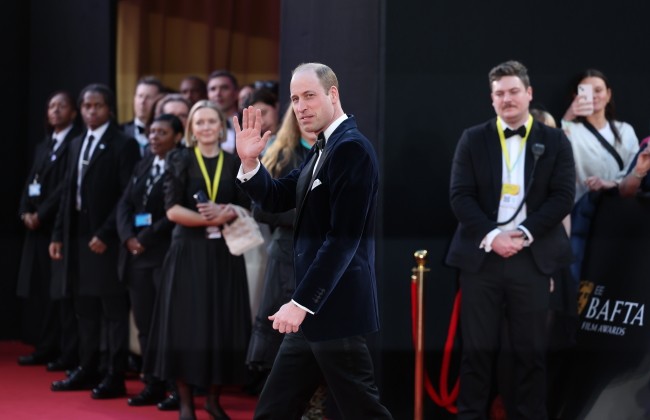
[
  {"x": 153, "y": 81},
  {"x": 263, "y": 95},
  {"x": 509, "y": 68},
  {"x": 196, "y": 79},
  {"x": 174, "y": 122},
  {"x": 224, "y": 73},
  {"x": 170, "y": 97}
]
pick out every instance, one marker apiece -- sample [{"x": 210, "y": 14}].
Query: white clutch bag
[{"x": 243, "y": 233}]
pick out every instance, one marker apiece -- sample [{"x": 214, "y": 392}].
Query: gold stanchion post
[{"x": 418, "y": 278}]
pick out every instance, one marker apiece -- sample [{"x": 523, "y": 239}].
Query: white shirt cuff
[
  {"x": 302, "y": 307},
  {"x": 245, "y": 177},
  {"x": 486, "y": 243}
]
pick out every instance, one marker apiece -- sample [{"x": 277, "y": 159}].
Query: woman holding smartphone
[
  {"x": 202, "y": 316},
  {"x": 603, "y": 148}
]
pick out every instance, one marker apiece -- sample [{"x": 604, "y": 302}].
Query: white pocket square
[{"x": 316, "y": 183}]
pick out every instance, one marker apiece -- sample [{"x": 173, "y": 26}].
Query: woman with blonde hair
[{"x": 203, "y": 311}]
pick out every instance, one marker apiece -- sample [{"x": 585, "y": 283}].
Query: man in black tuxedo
[
  {"x": 512, "y": 183},
  {"x": 148, "y": 90},
  {"x": 85, "y": 237},
  {"x": 335, "y": 301}
]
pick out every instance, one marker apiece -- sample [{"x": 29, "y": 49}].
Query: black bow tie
[
  {"x": 521, "y": 131},
  {"x": 141, "y": 129},
  {"x": 320, "y": 142}
]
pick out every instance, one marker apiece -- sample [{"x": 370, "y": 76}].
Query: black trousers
[
  {"x": 102, "y": 321},
  {"x": 515, "y": 289},
  {"x": 69, "y": 339},
  {"x": 110, "y": 312},
  {"x": 301, "y": 365},
  {"x": 143, "y": 285}
]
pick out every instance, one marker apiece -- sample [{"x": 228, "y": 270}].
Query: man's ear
[{"x": 334, "y": 94}]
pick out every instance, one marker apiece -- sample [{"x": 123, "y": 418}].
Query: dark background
[{"x": 414, "y": 74}]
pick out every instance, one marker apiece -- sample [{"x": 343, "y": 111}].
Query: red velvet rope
[{"x": 445, "y": 399}]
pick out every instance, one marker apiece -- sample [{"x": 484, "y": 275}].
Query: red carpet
[{"x": 25, "y": 394}]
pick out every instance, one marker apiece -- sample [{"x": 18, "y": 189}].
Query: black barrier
[{"x": 607, "y": 375}]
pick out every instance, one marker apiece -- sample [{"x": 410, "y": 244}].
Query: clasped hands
[
  {"x": 134, "y": 246},
  {"x": 508, "y": 243},
  {"x": 216, "y": 213},
  {"x": 31, "y": 221}
]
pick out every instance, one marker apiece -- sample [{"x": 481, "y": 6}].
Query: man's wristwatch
[{"x": 523, "y": 233}]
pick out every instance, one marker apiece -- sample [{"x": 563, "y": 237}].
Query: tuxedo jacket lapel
[
  {"x": 102, "y": 147},
  {"x": 99, "y": 150},
  {"x": 307, "y": 178},
  {"x": 304, "y": 180},
  {"x": 495, "y": 159},
  {"x": 533, "y": 137},
  {"x": 42, "y": 159}
]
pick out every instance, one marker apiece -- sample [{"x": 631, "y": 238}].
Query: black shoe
[
  {"x": 152, "y": 394},
  {"x": 60, "y": 366},
  {"x": 216, "y": 412},
  {"x": 134, "y": 365},
  {"x": 32, "y": 360},
  {"x": 79, "y": 379},
  {"x": 112, "y": 386},
  {"x": 170, "y": 403}
]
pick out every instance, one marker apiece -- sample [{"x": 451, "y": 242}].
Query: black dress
[{"x": 202, "y": 316}]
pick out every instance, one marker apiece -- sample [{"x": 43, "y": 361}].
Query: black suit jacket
[
  {"x": 334, "y": 242},
  {"x": 476, "y": 187},
  {"x": 49, "y": 169},
  {"x": 108, "y": 173},
  {"x": 155, "y": 238},
  {"x": 130, "y": 129}
]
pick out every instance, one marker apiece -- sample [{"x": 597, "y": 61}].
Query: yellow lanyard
[
  {"x": 214, "y": 186},
  {"x": 522, "y": 144}
]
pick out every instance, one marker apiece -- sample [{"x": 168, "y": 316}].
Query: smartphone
[
  {"x": 587, "y": 91},
  {"x": 586, "y": 99},
  {"x": 200, "y": 197}
]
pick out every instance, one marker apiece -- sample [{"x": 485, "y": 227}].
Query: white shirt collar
[
  {"x": 139, "y": 123},
  {"x": 61, "y": 134},
  {"x": 99, "y": 131},
  {"x": 335, "y": 124},
  {"x": 158, "y": 161}
]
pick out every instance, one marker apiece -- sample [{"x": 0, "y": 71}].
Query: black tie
[
  {"x": 320, "y": 141},
  {"x": 141, "y": 129},
  {"x": 521, "y": 131},
  {"x": 86, "y": 157},
  {"x": 154, "y": 175},
  {"x": 52, "y": 145}
]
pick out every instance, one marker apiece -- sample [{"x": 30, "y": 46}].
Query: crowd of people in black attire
[{"x": 113, "y": 226}]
